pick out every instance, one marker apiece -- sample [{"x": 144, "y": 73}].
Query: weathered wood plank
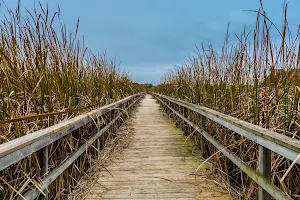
[
  {"x": 202, "y": 146},
  {"x": 43, "y": 157},
  {"x": 156, "y": 165},
  {"x": 264, "y": 167}
]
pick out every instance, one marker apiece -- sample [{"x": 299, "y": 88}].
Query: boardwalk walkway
[{"x": 158, "y": 164}]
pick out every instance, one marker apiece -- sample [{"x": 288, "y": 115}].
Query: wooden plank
[
  {"x": 155, "y": 185},
  {"x": 165, "y": 158},
  {"x": 147, "y": 198},
  {"x": 98, "y": 147},
  {"x": 158, "y": 163},
  {"x": 43, "y": 157},
  {"x": 264, "y": 168},
  {"x": 152, "y": 196},
  {"x": 142, "y": 190},
  {"x": 149, "y": 173},
  {"x": 202, "y": 142}
]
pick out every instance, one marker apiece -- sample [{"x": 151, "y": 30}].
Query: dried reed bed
[
  {"x": 256, "y": 80},
  {"x": 45, "y": 70}
]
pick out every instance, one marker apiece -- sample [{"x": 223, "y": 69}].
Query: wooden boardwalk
[{"x": 158, "y": 164}]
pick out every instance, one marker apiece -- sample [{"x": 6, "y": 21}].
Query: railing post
[
  {"x": 185, "y": 130},
  {"x": 264, "y": 167},
  {"x": 202, "y": 142},
  {"x": 42, "y": 157},
  {"x": 171, "y": 113},
  {"x": 98, "y": 147},
  {"x": 102, "y": 141}
]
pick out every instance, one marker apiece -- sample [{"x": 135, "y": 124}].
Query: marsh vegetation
[
  {"x": 47, "y": 75},
  {"x": 254, "y": 77}
]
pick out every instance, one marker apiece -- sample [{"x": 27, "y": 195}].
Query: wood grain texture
[{"x": 158, "y": 164}]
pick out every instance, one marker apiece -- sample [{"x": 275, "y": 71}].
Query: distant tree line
[{"x": 148, "y": 85}]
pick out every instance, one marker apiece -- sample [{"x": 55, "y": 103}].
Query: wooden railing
[
  {"x": 267, "y": 140},
  {"x": 17, "y": 149}
]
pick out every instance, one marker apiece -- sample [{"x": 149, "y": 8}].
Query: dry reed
[
  {"x": 45, "y": 70},
  {"x": 256, "y": 80}
]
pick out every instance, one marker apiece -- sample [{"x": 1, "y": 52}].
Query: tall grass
[
  {"x": 45, "y": 70},
  {"x": 257, "y": 80}
]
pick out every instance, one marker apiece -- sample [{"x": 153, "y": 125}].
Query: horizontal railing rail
[
  {"x": 267, "y": 140},
  {"x": 17, "y": 149}
]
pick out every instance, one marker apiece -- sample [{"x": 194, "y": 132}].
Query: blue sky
[{"x": 148, "y": 37}]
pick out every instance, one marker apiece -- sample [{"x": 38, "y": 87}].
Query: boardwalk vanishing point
[{"x": 159, "y": 163}]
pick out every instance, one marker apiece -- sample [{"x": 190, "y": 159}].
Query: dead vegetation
[
  {"x": 47, "y": 75},
  {"x": 255, "y": 79}
]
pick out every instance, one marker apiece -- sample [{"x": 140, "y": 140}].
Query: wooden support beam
[
  {"x": 202, "y": 151},
  {"x": 98, "y": 147},
  {"x": 42, "y": 167},
  {"x": 264, "y": 167}
]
